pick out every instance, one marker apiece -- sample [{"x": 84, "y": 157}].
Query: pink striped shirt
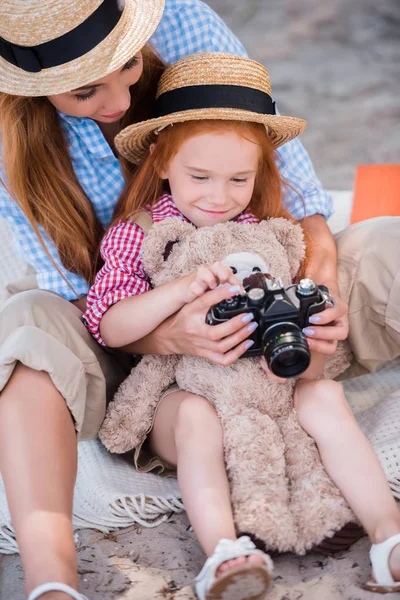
[{"x": 123, "y": 273}]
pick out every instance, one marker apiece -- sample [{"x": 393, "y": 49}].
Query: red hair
[
  {"x": 40, "y": 177},
  {"x": 146, "y": 186}
]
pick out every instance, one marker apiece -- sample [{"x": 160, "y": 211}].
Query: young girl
[{"x": 207, "y": 158}]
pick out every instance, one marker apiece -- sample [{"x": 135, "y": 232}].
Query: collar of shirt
[{"x": 88, "y": 132}]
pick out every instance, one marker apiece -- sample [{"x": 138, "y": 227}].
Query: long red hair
[
  {"x": 146, "y": 186},
  {"x": 40, "y": 177}
]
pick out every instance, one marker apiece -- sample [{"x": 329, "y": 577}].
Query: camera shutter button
[
  {"x": 256, "y": 296},
  {"x": 306, "y": 287}
]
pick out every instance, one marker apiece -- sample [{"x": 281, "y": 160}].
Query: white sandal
[
  {"x": 55, "y": 587},
  {"x": 379, "y": 555},
  {"x": 249, "y": 581}
]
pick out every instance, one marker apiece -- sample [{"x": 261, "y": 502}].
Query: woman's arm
[
  {"x": 134, "y": 317},
  {"x": 322, "y": 269},
  {"x": 186, "y": 332}
]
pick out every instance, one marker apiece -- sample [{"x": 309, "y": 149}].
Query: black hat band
[
  {"x": 214, "y": 96},
  {"x": 67, "y": 47}
]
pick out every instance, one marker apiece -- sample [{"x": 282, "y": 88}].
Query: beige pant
[
  {"x": 45, "y": 332},
  {"x": 369, "y": 280}
]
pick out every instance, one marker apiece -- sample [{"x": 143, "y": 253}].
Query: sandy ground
[
  {"x": 335, "y": 64},
  {"x": 151, "y": 564}
]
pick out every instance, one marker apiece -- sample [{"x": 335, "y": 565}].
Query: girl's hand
[
  {"x": 269, "y": 374},
  {"x": 325, "y": 339},
  {"x": 208, "y": 278}
]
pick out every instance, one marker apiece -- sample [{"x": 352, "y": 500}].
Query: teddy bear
[{"x": 281, "y": 494}]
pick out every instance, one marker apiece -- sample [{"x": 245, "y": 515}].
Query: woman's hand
[
  {"x": 325, "y": 339},
  {"x": 186, "y": 332},
  {"x": 208, "y": 278}
]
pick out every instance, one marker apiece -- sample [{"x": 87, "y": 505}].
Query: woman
[{"x": 71, "y": 75}]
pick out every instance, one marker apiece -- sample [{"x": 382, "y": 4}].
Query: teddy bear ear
[
  {"x": 161, "y": 240},
  {"x": 291, "y": 237}
]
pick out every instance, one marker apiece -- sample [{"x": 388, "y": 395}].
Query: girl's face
[
  {"x": 105, "y": 100},
  {"x": 212, "y": 177}
]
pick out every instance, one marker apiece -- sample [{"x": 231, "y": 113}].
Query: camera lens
[{"x": 286, "y": 350}]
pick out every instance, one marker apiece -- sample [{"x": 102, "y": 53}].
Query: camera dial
[
  {"x": 256, "y": 296},
  {"x": 306, "y": 287}
]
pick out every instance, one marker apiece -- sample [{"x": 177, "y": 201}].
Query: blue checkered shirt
[{"x": 187, "y": 26}]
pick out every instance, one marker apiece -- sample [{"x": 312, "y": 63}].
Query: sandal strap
[
  {"x": 379, "y": 555},
  {"x": 54, "y": 586},
  {"x": 227, "y": 550}
]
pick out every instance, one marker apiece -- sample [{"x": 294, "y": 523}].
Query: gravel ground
[{"x": 336, "y": 64}]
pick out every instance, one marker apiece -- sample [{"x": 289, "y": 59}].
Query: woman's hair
[
  {"x": 40, "y": 177},
  {"x": 146, "y": 187}
]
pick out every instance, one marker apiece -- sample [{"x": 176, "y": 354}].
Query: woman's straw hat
[
  {"x": 53, "y": 46},
  {"x": 210, "y": 85}
]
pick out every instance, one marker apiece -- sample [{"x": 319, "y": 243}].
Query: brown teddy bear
[{"x": 280, "y": 491}]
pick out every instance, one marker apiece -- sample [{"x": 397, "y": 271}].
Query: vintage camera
[{"x": 281, "y": 314}]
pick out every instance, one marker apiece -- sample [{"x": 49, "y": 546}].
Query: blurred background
[{"x": 335, "y": 63}]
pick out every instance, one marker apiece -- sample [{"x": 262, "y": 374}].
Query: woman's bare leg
[
  {"x": 350, "y": 460},
  {"x": 187, "y": 433},
  {"x": 38, "y": 461}
]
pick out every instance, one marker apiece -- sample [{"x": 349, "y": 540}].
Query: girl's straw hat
[
  {"x": 53, "y": 46},
  {"x": 210, "y": 86}
]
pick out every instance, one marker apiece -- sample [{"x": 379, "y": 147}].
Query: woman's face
[{"x": 105, "y": 100}]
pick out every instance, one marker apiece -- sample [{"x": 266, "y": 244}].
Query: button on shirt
[{"x": 187, "y": 26}]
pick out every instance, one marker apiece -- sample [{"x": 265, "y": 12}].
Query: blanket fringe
[
  {"x": 124, "y": 512},
  {"x": 395, "y": 487},
  {"x": 144, "y": 510},
  {"x": 8, "y": 544}
]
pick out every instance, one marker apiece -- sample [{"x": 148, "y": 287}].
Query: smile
[
  {"x": 115, "y": 115},
  {"x": 214, "y": 213}
]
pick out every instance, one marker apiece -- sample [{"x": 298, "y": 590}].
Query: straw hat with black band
[
  {"x": 51, "y": 47},
  {"x": 210, "y": 85}
]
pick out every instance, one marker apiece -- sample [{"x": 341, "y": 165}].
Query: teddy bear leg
[
  {"x": 131, "y": 413},
  {"x": 317, "y": 505},
  {"x": 254, "y": 454}
]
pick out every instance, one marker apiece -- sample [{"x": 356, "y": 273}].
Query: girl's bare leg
[
  {"x": 350, "y": 460},
  {"x": 38, "y": 460},
  {"x": 187, "y": 433}
]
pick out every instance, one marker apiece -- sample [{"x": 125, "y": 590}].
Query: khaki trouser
[
  {"x": 369, "y": 280},
  {"x": 45, "y": 332}
]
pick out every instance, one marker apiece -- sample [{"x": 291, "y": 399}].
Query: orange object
[{"x": 377, "y": 192}]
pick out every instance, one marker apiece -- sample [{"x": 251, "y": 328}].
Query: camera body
[{"x": 281, "y": 314}]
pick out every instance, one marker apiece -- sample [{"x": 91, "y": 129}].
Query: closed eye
[
  {"x": 133, "y": 62},
  {"x": 256, "y": 270},
  {"x": 199, "y": 178},
  {"x": 86, "y": 95},
  {"x": 239, "y": 180}
]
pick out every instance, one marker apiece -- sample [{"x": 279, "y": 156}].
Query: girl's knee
[
  {"x": 196, "y": 417},
  {"x": 319, "y": 402}
]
